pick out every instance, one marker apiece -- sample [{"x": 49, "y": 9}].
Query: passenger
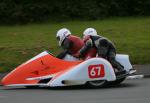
[{"x": 104, "y": 47}]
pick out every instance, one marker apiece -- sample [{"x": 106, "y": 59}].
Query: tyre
[
  {"x": 116, "y": 82},
  {"x": 96, "y": 83}
]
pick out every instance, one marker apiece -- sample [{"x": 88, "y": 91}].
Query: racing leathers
[
  {"x": 71, "y": 45},
  {"x": 105, "y": 49},
  {"x": 90, "y": 53}
]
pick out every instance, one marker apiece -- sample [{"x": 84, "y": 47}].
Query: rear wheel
[
  {"x": 116, "y": 82},
  {"x": 96, "y": 83}
]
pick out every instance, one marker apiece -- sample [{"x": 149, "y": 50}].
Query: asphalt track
[{"x": 130, "y": 91}]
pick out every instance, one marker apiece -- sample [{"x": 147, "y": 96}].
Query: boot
[{"x": 121, "y": 69}]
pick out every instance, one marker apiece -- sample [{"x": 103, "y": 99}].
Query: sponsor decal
[{"x": 96, "y": 71}]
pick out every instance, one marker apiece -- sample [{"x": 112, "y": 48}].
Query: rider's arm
[
  {"x": 88, "y": 45},
  {"x": 62, "y": 54},
  {"x": 67, "y": 44}
]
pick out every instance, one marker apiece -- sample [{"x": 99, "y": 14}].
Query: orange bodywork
[{"x": 43, "y": 66}]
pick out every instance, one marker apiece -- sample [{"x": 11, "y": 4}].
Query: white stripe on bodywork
[
  {"x": 45, "y": 85},
  {"x": 36, "y": 57},
  {"x": 41, "y": 77}
]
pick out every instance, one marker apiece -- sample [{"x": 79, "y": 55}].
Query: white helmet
[
  {"x": 89, "y": 32},
  {"x": 62, "y": 34}
]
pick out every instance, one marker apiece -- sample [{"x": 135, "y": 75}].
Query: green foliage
[{"x": 23, "y": 11}]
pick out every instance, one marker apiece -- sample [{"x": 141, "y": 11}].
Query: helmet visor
[{"x": 58, "y": 38}]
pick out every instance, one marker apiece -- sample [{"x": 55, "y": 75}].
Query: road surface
[{"x": 130, "y": 91}]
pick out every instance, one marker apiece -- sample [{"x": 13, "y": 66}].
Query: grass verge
[{"x": 21, "y": 42}]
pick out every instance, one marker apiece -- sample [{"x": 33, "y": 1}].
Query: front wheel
[
  {"x": 31, "y": 87},
  {"x": 96, "y": 83}
]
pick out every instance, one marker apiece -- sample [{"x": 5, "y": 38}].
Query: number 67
[{"x": 96, "y": 71}]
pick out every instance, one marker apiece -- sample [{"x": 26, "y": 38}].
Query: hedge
[{"x": 24, "y": 11}]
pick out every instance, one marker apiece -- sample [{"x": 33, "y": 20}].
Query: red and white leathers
[
  {"x": 71, "y": 45},
  {"x": 90, "y": 53}
]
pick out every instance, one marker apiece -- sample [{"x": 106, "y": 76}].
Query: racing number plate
[{"x": 96, "y": 71}]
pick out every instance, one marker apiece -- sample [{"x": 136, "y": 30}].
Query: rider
[
  {"x": 70, "y": 44},
  {"x": 104, "y": 47}
]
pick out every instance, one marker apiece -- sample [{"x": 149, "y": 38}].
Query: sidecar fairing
[{"x": 48, "y": 71}]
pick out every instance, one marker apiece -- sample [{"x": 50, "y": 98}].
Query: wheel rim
[{"x": 97, "y": 83}]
